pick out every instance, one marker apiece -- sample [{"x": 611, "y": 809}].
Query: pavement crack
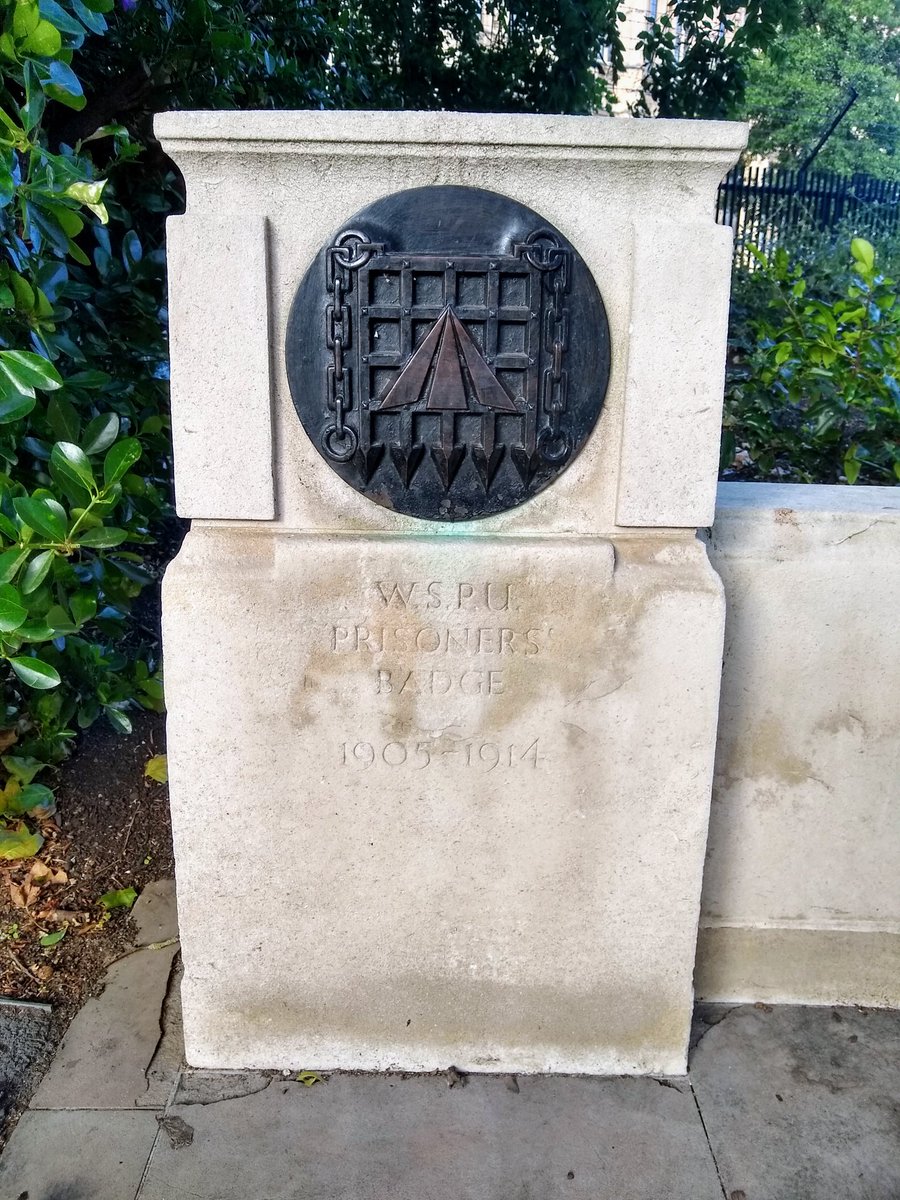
[
  {"x": 711, "y": 1022},
  {"x": 189, "y": 1102},
  {"x": 163, "y": 1017},
  {"x": 712, "y": 1153}
]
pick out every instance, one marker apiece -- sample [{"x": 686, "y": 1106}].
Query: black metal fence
[{"x": 768, "y": 206}]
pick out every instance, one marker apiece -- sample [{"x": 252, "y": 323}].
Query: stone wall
[{"x": 801, "y": 897}]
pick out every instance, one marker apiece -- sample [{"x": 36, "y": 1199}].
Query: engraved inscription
[
  {"x": 440, "y": 683},
  {"x": 434, "y": 638},
  {"x": 486, "y": 756},
  {"x": 438, "y": 593},
  {"x": 438, "y": 639}
]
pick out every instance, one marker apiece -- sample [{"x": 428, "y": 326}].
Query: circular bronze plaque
[{"x": 448, "y": 353}]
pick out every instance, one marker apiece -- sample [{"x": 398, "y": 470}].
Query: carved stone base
[{"x": 440, "y": 801}]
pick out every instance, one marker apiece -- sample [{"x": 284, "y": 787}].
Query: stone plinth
[{"x": 440, "y": 793}]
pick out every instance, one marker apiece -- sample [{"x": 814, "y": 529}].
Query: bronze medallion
[{"x": 448, "y": 353}]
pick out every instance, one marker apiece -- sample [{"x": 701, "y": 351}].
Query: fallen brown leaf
[
  {"x": 41, "y": 874},
  {"x": 62, "y": 914}
]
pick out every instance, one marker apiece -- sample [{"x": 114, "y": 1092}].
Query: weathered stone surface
[
  {"x": 676, "y": 374},
  {"x": 800, "y": 898},
  {"x": 417, "y": 1139},
  {"x": 455, "y": 781},
  {"x": 743, "y": 964},
  {"x": 800, "y": 1104},
  {"x": 483, "y": 851},
  {"x": 77, "y": 1155},
  {"x": 597, "y": 180},
  {"x": 219, "y": 349},
  {"x": 110, "y": 1045}
]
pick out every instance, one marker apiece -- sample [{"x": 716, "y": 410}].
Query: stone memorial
[{"x": 442, "y": 647}]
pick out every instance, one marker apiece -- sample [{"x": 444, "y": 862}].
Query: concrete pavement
[{"x": 780, "y": 1104}]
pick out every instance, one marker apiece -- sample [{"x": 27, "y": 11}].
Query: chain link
[
  {"x": 340, "y": 441},
  {"x": 555, "y": 380},
  {"x": 350, "y": 251}
]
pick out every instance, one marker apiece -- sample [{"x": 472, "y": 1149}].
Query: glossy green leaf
[
  {"x": 76, "y": 252},
  {"x": 70, "y": 223},
  {"x": 27, "y": 371},
  {"x": 83, "y": 606},
  {"x": 9, "y": 529},
  {"x": 132, "y": 250},
  {"x": 63, "y": 419},
  {"x": 13, "y": 407},
  {"x": 70, "y": 486},
  {"x": 26, "y": 16},
  {"x": 100, "y": 433},
  {"x": 104, "y": 537},
  {"x": 91, "y": 20},
  {"x": 60, "y": 620},
  {"x": 863, "y": 252},
  {"x": 36, "y": 571},
  {"x": 43, "y": 40},
  {"x": 33, "y": 672},
  {"x": 61, "y": 19},
  {"x": 64, "y": 87},
  {"x": 10, "y": 562},
  {"x": 7, "y": 191},
  {"x": 120, "y": 458},
  {"x": 46, "y": 517},
  {"x": 52, "y": 939},
  {"x": 72, "y": 462},
  {"x": 88, "y": 193},
  {"x": 12, "y": 610},
  {"x": 118, "y": 719},
  {"x": 23, "y": 292},
  {"x": 35, "y": 631}
]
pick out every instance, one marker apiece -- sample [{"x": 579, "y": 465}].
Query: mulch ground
[{"x": 111, "y": 831}]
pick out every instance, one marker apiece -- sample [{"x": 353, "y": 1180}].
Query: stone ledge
[
  {"x": 495, "y": 130},
  {"x": 798, "y": 966}
]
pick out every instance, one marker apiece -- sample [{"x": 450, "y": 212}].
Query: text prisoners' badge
[{"x": 448, "y": 353}]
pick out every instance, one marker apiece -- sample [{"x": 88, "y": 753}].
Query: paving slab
[
  {"x": 802, "y": 1103},
  {"x": 371, "y": 1137},
  {"x": 155, "y": 913},
  {"x": 109, "y": 1047},
  {"x": 77, "y": 1155}
]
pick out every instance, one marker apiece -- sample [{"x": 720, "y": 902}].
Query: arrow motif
[{"x": 459, "y": 374}]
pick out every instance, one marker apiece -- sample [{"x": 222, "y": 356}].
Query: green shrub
[
  {"x": 83, "y": 439},
  {"x": 812, "y": 393}
]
